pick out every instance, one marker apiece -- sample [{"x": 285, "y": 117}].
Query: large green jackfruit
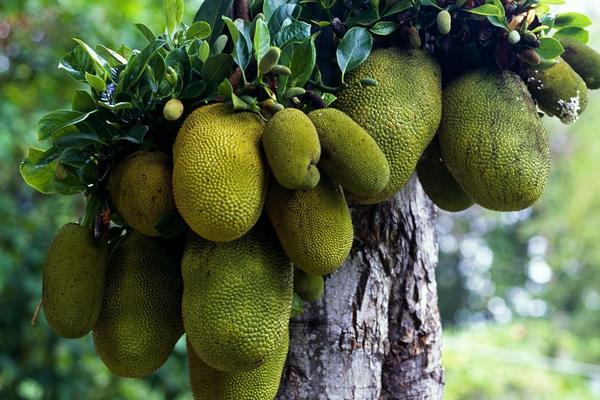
[
  {"x": 313, "y": 226},
  {"x": 237, "y": 299},
  {"x": 292, "y": 148},
  {"x": 140, "y": 320},
  {"x": 493, "y": 140},
  {"x": 402, "y": 112},
  {"x": 438, "y": 182},
  {"x": 558, "y": 90},
  {"x": 309, "y": 287},
  {"x": 73, "y": 281},
  {"x": 219, "y": 178},
  {"x": 260, "y": 383},
  {"x": 584, "y": 60},
  {"x": 351, "y": 157},
  {"x": 141, "y": 190}
]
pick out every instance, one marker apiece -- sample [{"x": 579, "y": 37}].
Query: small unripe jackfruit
[
  {"x": 308, "y": 286},
  {"x": 584, "y": 60},
  {"x": 444, "y": 22},
  {"x": 173, "y": 109},
  {"x": 351, "y": 157},
  {"x": 292, "y": 149},
  {"x": 313, "y": 226},
  {"x": 269, "y": 60},
  {"x": 73, "y": 281}
]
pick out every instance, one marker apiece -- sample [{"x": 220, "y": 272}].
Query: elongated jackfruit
[
  {"x": 73, "y": 281},
  {"x": 219, "y": 179},
  {"x": 351, "y": 157},
  {"x": 260, "y": 383},
  {"x": 493, "y": 141},
  {"x": 584, "y": 60},
  {"x": 140, "y": 320},
  {"x": 313, "y": 226},
  {"x": 402, "y": 112},
  {"x": 141, "y": 189},
  {"x": 292, "y": 148},
  {"x": 237, "y": 299},
  {"x": 309, "y": 287}
]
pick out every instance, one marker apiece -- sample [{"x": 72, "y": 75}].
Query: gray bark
[{"x": 376, "y": 333}]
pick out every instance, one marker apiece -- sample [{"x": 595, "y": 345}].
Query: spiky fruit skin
[
  {"x": 351, "y": 157},
  {"x": 493, "y": 141},
  {"x": 140, "y": 320},
  {"x": 141, "y": 189},
  {"x": 584, "y": 60},
  {"x": 237, "y": 299},
  {"x": 402, "y": 112},
  {"x": 438, "y": 182},
  {"x": 309, "y": 287},
  {"x": 558, "y": 90},
  {"x": 314, "y": 227},
  {"x": 73, "y": 281},
  {"x": 261, "y": 383},
  {"x": 292, "y": 149},
  {"x": 219, "y": 178}
]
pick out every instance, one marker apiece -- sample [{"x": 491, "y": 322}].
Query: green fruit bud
[
  {"x": 368, "y": 82},
  {"x": 514, "y": 37},
  {"x": 171, "y": 76},
  {"x": 444, "y": 22},
  {"x": 277, "y": 107},
  {"x": 269, "y": 60},
  {"x": 173, "y": 110},
  {"x": 280, "y": 70},
  {"x": 294, "y": 92}
]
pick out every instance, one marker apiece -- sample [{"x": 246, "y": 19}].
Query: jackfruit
[
  {"x": 219, "y": 178},
  {"x": 313, "y": 226},
  {"x": 292, "y": 148},
  {"x": 558, "y": 90},
  {"x": 438, "y": 182},
  {"x": 141, "y": 190},
  {"x": 237, "y": 299},
  {"x": 493, "y": 140},
  {"x": 351, "y": 157},
  {"x": 402, "y": 113},
  {"x": 73, "y": 281},
  {"x": 140, "y": 320},
  {"x": 260, "y": 383},
  {"x": 309, "y": 287},
  {"x": 584, "y": 60}
]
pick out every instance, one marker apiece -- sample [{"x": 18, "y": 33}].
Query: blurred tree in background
[{"x": 519, "y": 292}]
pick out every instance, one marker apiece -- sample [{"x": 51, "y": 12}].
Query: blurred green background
[{"x": 519, "y": 292}]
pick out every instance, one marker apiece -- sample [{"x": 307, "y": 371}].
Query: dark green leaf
[
  {"x": 114, "y": 58},
  {"x": 123, "y": 105},
  {"x": 220, "y": 44},
  {"x": 226, "y": 90},
  {"x": 95, "y": 82},
  {"x": 39, "y": 178},
  {"x": 364, "y": 17},
  {"x": 269, "y": 7},
  {"x": 137, "y": 64},
  {"x": 283, "y": 16},
  {"x": 179, "y": 59},
  {"x": 135, "y": 134},
  {"x": 353, "y": 49},
  {"x": 88, "y": 172},
  {"x": 486, "y": 10},
  {"x": 550, "y": 48},
  {"x": 578, "y": 34},
  {"x": 499, "y": 22},
  {"x": 217, "y": 67},
  {"x": 431, "y": 3},
  {"x": 262, "y": 39},
  {"x": 73, "y": 157},
  {"x": 211, "y": 11},
  {"x": 398, "y": 7},
  {"x": 198, "y": 30},
  {"x": 77, "y": 140},
  {"x": 148, "y": 34},
  {"x": 194, "y": 90},
  {"x": 572, "y": 20},
  {"x": 48, "y": 156},
  {"x": 83, "y": 101},
  {"x": 241, "y": 53},
  {"x": 384, "y": 28},
  {"x": 101, "y": 66},
  {"x": 55, "y": 122},
  {"x": 295, "y": 32},
  {"x": 76, "y": 63},
  {"x": 303, "y": 63},
  {"x": 171, "y": 225}
]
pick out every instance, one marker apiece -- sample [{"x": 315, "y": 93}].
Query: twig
[
  {"x": 241, "y": 9},
  {"x": 36, "y": 313}
]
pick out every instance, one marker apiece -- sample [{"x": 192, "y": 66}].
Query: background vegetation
[{"x": 519, "y": 292}]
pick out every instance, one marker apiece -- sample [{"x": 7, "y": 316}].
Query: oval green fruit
[
  {"x": 444, "y": 22},
  {"x": 584, "y": 60}
]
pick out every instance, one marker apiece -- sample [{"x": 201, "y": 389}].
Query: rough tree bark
[{"x": 376, "y": 334}]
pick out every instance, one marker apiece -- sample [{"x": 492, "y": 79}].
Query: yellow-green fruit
[
  {"x": 584, "y": 60},
  {"x": 351, "y": 157},
  {"x": 402, "y": 113},
  {"x": 292, "y": 148},
  {"x": 438, "y": 182},
  {"x": 260, "y": 383},
  {"x": 237, "y": 299},
  {"x": 493, "y": 141},
  {"x": 141, "y": 190},
  {"x": 173, "y": 109},
  {"x": 308, "y": 286},
  {"x": 73, "y": 281},
  {"x": 219, "y": 178},
  {"x": 140, "y": 320},
  {"x": 313, "y": 226},
  {"x": 558, "y": 90}
]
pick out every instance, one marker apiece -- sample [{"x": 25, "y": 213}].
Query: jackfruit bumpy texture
[
  {"x": 438, "y": 182},
  {"x": 402, "y": 112},
  {"x": 261, "y": 383},
  {"x": 309, "y": 287},
  {"x": 141, "y": 190},
  {"x": 584, "y": 60},
  {"x": 313, "y": 226},
  {"x": 351, "y": 157},
  {"x": 219, "y": 178},
  {"x": 237, "y": 299},
  {"x": 558, "y": 90},
  {"x": 73, "y": 281},
  {"x": 292, "y": 149},
  {"x": 140, "y": 320},
  {"x": 493, "y": 141}
]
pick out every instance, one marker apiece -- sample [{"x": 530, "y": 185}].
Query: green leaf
[
  {"x": 198, "y": 30},
  {"x": 262, "y": 39},
  {"x": 123, "y": 105},
  {"x": 57, "y": 121},
  {"x": 353, "y": 49},
  {"x": 282, "y": 17},
  {"x": 226, "y": 90},
  {"x": 572, "y": 20},
  {"x": 179, "y": 58},
  {"x": 78, "y": 140},
  {"x": 398, "y": 7},
  {"x": 113, "y": 56},
  {"x": 95, "y": 82},
  {"x": 217, "y": 67},
  {"x": 76, "y": 63},
  {"x": 210, "y": 12},
  {"x": 39, "y": 178},
  {"x": 171, "y": 225},
  {"x": 364, "y": 17},
  {"x": 203, "y": 51},
  {"x": 270, "y": 6},
  {"x": 135, "y": 134},
  {"x": 220, "y": 44},
  {"x": 194, "y": 90},
  {"x": 328, "y": 98},
  {"x": 73, "y": 157},
  {"x": 303, "y": 63},
  {"x": 137, "y": 64},
  {"x": 83, "y": 101},
  {"x": 431, "y": 3},
  {"x": 173, "y": 13},
  {"x": 499, "y": 22},
  {"x": 578, "y": 34},
  {"x": 148, "y": 34},
  {"x": 241, "y": 53},
  {"x": 550, "y": 48},
  {"x": 499, "y": 4},
  {"x": 297, "y": 306},
  {"x": 384, "y": 28},
  {"x": 101, "y": 66},
  {"x": 486, "y": 10},
  {"x": 295, "y": 32}
]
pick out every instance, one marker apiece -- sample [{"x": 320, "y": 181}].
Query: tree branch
[{"x": 241, "y": 10}]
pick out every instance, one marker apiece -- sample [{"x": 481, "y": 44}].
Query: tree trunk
[{"x": 376, "y": 333}]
